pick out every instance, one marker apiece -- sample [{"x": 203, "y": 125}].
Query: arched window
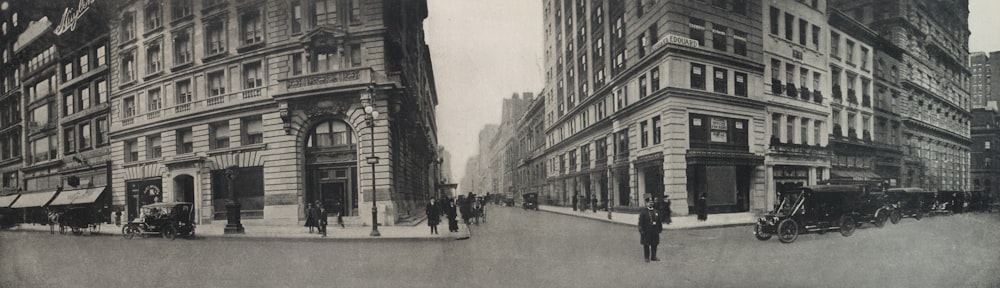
[{"x": 330, "y": 133}]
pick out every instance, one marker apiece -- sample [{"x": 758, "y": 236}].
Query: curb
[
  {"x": 666, "y": 227},
  {"x": 459, "y": 236}
]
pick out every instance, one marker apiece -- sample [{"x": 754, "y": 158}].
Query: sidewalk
[
  {"x": 678, "y": 222},
  {"x": 419, "y": 231}
]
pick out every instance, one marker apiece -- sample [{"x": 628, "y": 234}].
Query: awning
[
  {"x": 725, "y": 158},
  {"x": 855, "y": 174},
  {"x": 5, "y": 201},
  {"x": 34, "y": 199},
  {"x": 78, "y": 196}
]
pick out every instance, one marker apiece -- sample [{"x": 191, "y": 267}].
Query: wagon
[
  {"x": 79, "y": 219},
  {"x": 166, "y": 219},
  {"x": 812, "y": 209}
]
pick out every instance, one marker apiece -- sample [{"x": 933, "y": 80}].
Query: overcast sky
[{"x": 485, "y": 50}]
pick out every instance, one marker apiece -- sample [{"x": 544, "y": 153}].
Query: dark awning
[
  {"x": 855, "y": 174},
  {"x": 38, "y": 199},
  {"x": 78, "y": 196},
  {"x": 6, "y": 201},
  {"x": 710, "y": 157}
]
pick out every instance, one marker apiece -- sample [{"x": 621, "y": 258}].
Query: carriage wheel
[
  {"x": 760, "y": 234},
  {"x": 62, "y": 229},
  {"x": 788, "y": 230},
  {"x": 130, "y": 231},
  {"x": 895, "y": 216},
  {"x": 169, "y": 232},
  {"x": 847, "y": 225},
  {"x": 77, "y": 230}
]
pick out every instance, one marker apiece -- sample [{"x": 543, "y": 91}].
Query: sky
[{"x": 486, "y": 50}]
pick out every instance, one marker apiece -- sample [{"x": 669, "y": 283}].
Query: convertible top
[{"x": 909, "y": 190}]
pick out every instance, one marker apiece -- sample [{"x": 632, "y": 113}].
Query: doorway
[
  {"x": 184, "y": 188},
  {"x": 332, "y": 195}
]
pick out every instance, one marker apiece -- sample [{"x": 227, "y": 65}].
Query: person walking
[
  {"x": 310, "y": 217},
  {"x": 702, "y": 207},
  {"x": 433, "y": 216},
  {"x": 649, "y": 231},
  {"x": 340, "y": 216},
  {"x": 576, "y": 201},
  {"x": 593, "y": 203},
  {"x": 451, "y": 212},
  {"x": 663, "y": 207},
  {"x": 322, "y": 217},
  {"x": 465, "y": 207}
]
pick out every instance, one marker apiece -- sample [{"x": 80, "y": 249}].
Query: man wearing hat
[{"x": 649, "y": 230}]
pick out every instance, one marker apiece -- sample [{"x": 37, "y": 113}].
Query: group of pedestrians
[
  {"x": 317, "y": 217},
  {"x": 580, "y": 203},
  {"x": 434, "y": 211}
]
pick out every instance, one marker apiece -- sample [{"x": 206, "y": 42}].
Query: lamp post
[
  {"x": 233, "y": 225},
  {"x": 370, "y": 116}
]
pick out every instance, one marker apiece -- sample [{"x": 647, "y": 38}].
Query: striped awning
[
  {"x": 6, "y": 201},
  {"x": 78, "y": 196},
  {"x": 38, "y": 199}
]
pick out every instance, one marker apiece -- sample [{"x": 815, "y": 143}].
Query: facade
[
  {"x": 985, "y": 68},
  {"x": 274, "y": 93},
  {"x": 935, "y": 81},
  {"x": 529, "y": 145},
  {"x": 796, "y": 44},
  {"x": 11, "y": 101},
  {"x": 661, "y": 98},
  {"x": 887, "y": 135},
  {"x": 985, "y": 134}
]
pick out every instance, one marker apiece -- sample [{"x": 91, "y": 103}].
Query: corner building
[
  {"x": 652, "y": 98},
  {"x": 274, "y": 91}
]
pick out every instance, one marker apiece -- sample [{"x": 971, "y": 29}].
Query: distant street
[{"x": 524, "y": 249}]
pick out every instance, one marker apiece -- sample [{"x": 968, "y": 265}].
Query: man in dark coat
[
  {"x": 465, "y": 206},
  {"x": 310, "y": 216},
  {"x": 433, "y": 216},
  {"x": 575, "y": 200},
  {"x": 663, "y": 207},
  {"x": 649, "y": 231},
  {"x": 593, "y": 203},
  {"x": 321, "y": 220},
  {"x": 451, "y": 212},
  {"x": 702, "y": 204}
]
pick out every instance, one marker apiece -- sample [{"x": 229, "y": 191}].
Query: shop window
[{"x": 250, "y": 184}]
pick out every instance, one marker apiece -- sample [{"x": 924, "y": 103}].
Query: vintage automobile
[
  {"x": 874, "y": 209},
  {"x": 167, "y": 219},
  {"x": 909, "y": 202},
  {"x": 530, "y": 201},
  {"x": 812, "y": 209}
]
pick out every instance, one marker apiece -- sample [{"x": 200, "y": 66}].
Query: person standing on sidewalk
[
  {"x": 663, "y": 207},
  {"x": 702, "y": 204},
  {"x": 340, "y": 216},
  {"x": 452, "y": 214},
  {"x": 322, "y": 219},
  {"x": 310, "y": 217},
  {"x": 593, "y": 203},
  {"x": 576, "y": 201},
  {"x": 433, "y": 216},
  {"x": 649, "y": 231}
]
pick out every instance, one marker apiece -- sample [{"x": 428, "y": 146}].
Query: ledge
[{"x": 237, "y": 149}]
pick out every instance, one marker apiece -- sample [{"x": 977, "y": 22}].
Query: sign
[
  {"x": 70, "y": 17},
  {"x": 677, "y": 40}
]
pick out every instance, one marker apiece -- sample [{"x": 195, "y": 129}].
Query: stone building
[
  {"x": 985, "y": 136},
  {"x": 275, "y": 93},
  {"x": 529, "y": 144},
  {"x": 985, "y": 87}
]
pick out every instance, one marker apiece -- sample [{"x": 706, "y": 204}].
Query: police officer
[{"x": 649, "y": 230}]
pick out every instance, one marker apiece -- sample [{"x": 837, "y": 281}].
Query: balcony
[
  {"x": 804, "y": 93},
  {"x": 197, "y": 106},
  {"x": 837, "y": 92},
  {"x": 776, "y": 87},
  {"x": 851, "y": 97},
  {"x": 791, "y": 91},
  {"x": 326, "y": 81},
  {"x": 818, "y": 96}
]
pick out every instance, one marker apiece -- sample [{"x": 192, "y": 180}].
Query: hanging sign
[{"x": 70, "y": 17}]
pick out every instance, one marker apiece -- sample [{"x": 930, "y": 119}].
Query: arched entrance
[
  {"x": 331, "y": 158},
  {"x": 184, "y": 188}
]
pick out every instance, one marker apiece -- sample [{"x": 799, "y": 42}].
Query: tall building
[
  {"x": 985, "y": 85},
  {"x": 985, "y": 136},
  {"x": 935, "y": 80},
  {"x": 274, "y": 94},
  {"x": 528, "y": 140},
  {"x": 664, "y": 96}
]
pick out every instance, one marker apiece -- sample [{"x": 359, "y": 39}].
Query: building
[
  {"x": 985, "y": 135},
  {"x": 505, "y": 147},
  {"x": 796, "y": 51},
  {"x": 662, "y": 97},
  {"x": 11, "y": 124},
  {"x": 529, "y": 144},
  {"x": 935, "y": 81},
  {"x": 888, "y": 131},
  {"x": 985, "y": 68},
  {"x": 270, "y": 98}
]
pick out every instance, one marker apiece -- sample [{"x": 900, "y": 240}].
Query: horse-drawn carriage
[
  {"x": 76, "y": 220},
  {"x": 167, "y": 219}
]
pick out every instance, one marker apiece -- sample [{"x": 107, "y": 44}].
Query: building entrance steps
[{"x": 678, "y": 222}]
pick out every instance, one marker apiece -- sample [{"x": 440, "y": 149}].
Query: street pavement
[{"x": 518, "y": 248}]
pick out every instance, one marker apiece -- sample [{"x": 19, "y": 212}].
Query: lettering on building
[
  {"x": 677, "y": 40},
  {"x": 70, "y": 17}
]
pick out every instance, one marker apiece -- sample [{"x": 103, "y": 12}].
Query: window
[
  {"x": 85, "y": 136},
  {"x": 184, "y": 94},
  {"x": 721, "y": 82},
  {"x": 817, "y": 135},
  {"x": 621, "y": 142},
  {"x": 986, "y": 145},
  {"x": 252, "y": 76},
  {"x": 740, "y": 84},
  {"x": 815, "y": 36},
  {"x": 804, "y": 134},
  {"x": 789, "y": 73},
  {"x": 152, "y": 16},
  {"x": 803, "y": 29},
  {"x": 656, "y": 130},
  {"x": 128, "y": 107},
  {"x": 643, "y": 136},
  {"x": 131, "y": 151},
  {"x": 740, "y": 7},
  {"x": 740, "y": 42},
  {"x": 128, "y": 66},
  {"x": 155, "y": 101},
  {"x": 84, "y": 97},
  {"x": 102, "y": 57},
  {"x": 816, "y": 78},
  {"x": 181, "y": 8},
  {"x": 790, "y": 125},
  {"x": 69, "y": 105},
  {"x": 697, "y": 30},
  {"x": 599, "y": 107},
  {"x": 642, "y": 86},
  {"x": 68, "y": 71},
  {"x": 251, "y": 27},
  {"x": 642, "y": 42},
  {"x": 69, "y": 136},
  {"x": 253, "y": 132},
  {"x": 102, "y": 132},
  {"x": 850, "y": 52},
  {"x": 84, "y": 63},
  {"x": 215, "y": 37},
  {"x": 40, "y": 116},
  {"x": 153, "y": 58},
  {"x": 296, "y": 14},
  {"x": 775, "y": 15},
  {"x": 355, "y": 8},
  {"x": 835, "y": 44},
  {"x": 154, "y": 149},
  {"x": 356, "y": 55},
  {"x": 218, "y": 135},
  {"x": 183, "y": 47},
  {"x": 789, "y": 26},
  {"x": 864, "y": 58},
  {"x": 719, "y": 37},
  {"x": 697, "y": 76},
  {"x": 775, "y": 70},
  {"x": 803, "y": 77},
  {"x": 216, "y": 83},
  {"x": 185, "y": 141},
  {"x": 102, "y": 92},
  {"x": 654, "y": 79},
  {"x": 775, "y": 127},
  {"x": 638, "y": 7}
]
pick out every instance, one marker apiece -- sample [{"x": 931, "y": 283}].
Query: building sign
[
  {"x": 677, "y": 40},
  {"x": 70, "y": 17},
  {"x": 325, "y": 78}
]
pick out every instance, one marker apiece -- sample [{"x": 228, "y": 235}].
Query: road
[{"x": 524, "y": 249}]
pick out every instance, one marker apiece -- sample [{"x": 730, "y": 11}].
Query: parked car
[
  {"x": 909, "y": 202},
  {"x": 167, "y": 219},
  {"x": 530, "y": 201},
  {"x": 812, "y": 209}
]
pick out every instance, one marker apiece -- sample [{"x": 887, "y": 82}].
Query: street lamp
[
  {"x": 370, "y": 116},
  {"x": 233, "y": 225}
]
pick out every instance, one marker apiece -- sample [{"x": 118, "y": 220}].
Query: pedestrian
[
  {"x": 433, "y": 215},
  {"x": 575, "y": 202},
  {"x": 118, "y": 217},
  {"x": 593, "y": 203},
  {"x": 649, "y": 231},
  {"x": 451, "y": 212},
  {"x": 465, "y": 207},
  {"x": 702, "y": 203},
  {"x": 340, "y": 216},
  {"x": 663, "y": 207},
  {"x": 322, "y": 217},
  {"x": 310, "y": 217}
]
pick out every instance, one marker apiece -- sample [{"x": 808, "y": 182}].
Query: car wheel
[
  {"x": 895, "y": 216},
  {"x": 760, "y": 234},
  {"x": 918, "y": 216},
  {"x": 130, "y": 231},
  {"x": 788, "y": 231},
  {"x": 880, "y": 220},
  {"x": 169, "y": 232},
  {"x": 847, "y": 225}
]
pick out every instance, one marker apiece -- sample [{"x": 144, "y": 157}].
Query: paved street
[{"x": 524, "y": 249}]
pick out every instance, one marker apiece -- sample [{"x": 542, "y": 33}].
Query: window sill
[
  {"x": 237, "y": 149},
  {"x": 152, "y": 75},
  {"x": 127, "y": 42},
  {"x": 182, "y": 66},
  {"x": 126, "y": 84},
  {"x": 152, "y": 31},
  {"x": 249, "y": 47},
  {"x": 181, "y": 19},
  {"x": 219, "y": 5},
  {"x": 212, "y": 57}
]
